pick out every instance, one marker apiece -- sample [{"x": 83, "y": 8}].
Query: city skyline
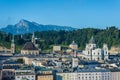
[{"x": 74, "y": 13}]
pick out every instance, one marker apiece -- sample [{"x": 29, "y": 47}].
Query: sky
[{"x": 75, "y": 13}]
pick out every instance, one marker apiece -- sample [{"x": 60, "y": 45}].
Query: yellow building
[
  {"x": 5, "y": 52},
  {"x": 56, "y": 48},
  {"x": 114, "y": 50},
  {"x": 45, "y": 75},
  {"x": 73, "y": 46},
  {"x": 27, "y": 60}
]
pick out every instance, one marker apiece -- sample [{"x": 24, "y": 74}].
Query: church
[
  {"x": 92, "y": 52},
  {"x": 31, "y": 48}
]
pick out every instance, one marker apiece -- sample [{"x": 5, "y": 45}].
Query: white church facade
[{"x": 92, "y": 52}]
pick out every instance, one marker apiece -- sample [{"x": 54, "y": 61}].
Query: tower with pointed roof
[
  {"x": 34, "y": 41},
  {"x": 91, "y": 45},
  {"x": 12, "y": 45},
  {"x": 92, "y": 41},
  {"x": 33, "y": 38}
]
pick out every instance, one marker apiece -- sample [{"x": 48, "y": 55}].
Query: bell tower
[
  {"x": 12, "y": 45},
  {"x": 33, "y": 38}
]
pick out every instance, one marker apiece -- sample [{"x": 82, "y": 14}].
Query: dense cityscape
[
  {"x": 59, "y": 40},
  {"x": 92, "y": 63}
]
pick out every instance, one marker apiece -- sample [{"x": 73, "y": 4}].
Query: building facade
[
  {"x": 73, "y": 46},
  {"x": 24, "y": 75},
  {"x": 92, "y": 52},
  {"x": 84, "y": 75},
  {"x": 45, "y": 75},
  {"x": 8, "y": 74},
  {"x": 115, "y": 75},
  {"x": 74, "y": 62},
  {"x": 31, "y": 48},
  {"x": 56, "y": 48}
]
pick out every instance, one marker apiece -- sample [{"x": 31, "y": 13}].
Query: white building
[
  {"x": 24, "y": 75},
  {"x": 36, "y": 62},
  {"x": 74, "y": 62},
  {"x": 58, "y": 63},
  {"x": 92, "y": 52},
  {"x": 94, "y": 75},
  {"x": 115, "y": 75},
  {"x": 85, "y": 75}
]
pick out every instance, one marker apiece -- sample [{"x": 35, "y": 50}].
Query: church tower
[
  {"x": 12, "y": 45},
  {"x": 33, "y": 39},
  {"x": 106, "y": 54},
  {"x": 90, "y": 47}
]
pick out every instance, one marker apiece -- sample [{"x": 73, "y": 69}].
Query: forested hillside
[{"x": 46, "y": 39}]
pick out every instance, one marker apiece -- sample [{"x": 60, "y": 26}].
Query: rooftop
[
  {"x": 11, "y": 62},
  {"x": 73, "y": 43},
  {"x": 25, "y": 73},
  {"x": 29, "y": 46}
]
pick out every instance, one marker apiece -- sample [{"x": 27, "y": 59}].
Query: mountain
[{"x": 24, "y": 26}]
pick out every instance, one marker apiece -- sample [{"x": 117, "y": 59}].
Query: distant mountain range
[{"x": 24, "y": 26}]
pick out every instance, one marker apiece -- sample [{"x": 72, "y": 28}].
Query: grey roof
[
  {"x": 73, "y": 43},
  {"x": 93, "y": 70},
  {"x": 92, "y": 40},
  {"x": 11, "y": 62},
  {"x": 87, "y": 70},
  {"x": 29, "y": 46}
]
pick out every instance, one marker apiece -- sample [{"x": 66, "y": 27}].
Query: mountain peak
[
  {"x": 24, "y": 26},
  {"x": 22, "y": 23},
  {"x": 23, "y": 20}
]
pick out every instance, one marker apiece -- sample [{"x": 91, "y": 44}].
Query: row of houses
[{"x": 31, "y": 74}]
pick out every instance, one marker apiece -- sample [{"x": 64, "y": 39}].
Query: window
[
  {"x": 98, "y": 58},
  {"x": 98, "y": 53},
  {"x": 106, "y": 52}
]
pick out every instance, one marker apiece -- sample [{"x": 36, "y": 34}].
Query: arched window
[
  {"x": 106, "y": 52},
  {"x": 98, "y": 53}
]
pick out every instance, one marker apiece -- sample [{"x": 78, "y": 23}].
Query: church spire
[
  {"x": 92, "y": 40},
  {"x": 33, "y": 38},
  {"x": 13, "y": 39},
  {"x": 12, "y": 45}
]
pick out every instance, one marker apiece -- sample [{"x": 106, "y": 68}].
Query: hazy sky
[{"x": 75, "y": 13}]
